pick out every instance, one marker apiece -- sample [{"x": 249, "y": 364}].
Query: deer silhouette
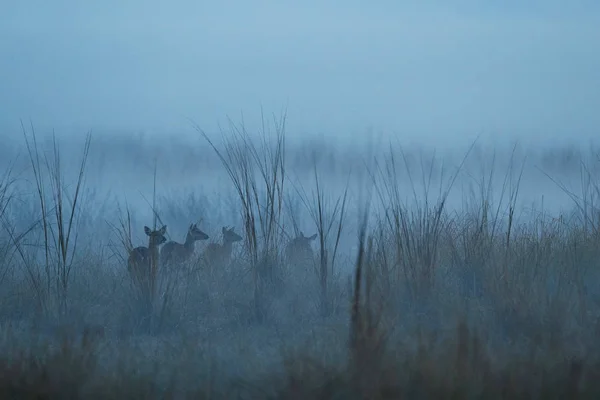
[
  {"x": 177, "y": 253},
  {"x": 299, "y": 251},
  {"x": 220, "y": 254},
  {"x": 140, "y": 258}
]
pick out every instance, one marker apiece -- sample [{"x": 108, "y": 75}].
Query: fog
[
  {"x": 423, "y": 74},
  {"x": 419, "y": 71}
]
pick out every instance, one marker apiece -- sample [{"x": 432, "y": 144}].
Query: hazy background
[
  {"x": 424, "y": 73},
  {"x": 422, "y": 70}
]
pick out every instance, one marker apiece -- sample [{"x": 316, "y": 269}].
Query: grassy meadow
[{"x": 433, "y": 275}]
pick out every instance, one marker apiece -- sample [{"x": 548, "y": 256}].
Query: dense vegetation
[{"x": 404, "y": 295}]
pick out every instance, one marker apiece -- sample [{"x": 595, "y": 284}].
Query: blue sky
[{"x": 421, "y": 70}]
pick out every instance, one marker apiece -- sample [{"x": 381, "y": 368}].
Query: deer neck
[
  {"x": 153, "y": 248},
  {"x": 227, "y": 247},
  {"x": 189, "y": 242}
]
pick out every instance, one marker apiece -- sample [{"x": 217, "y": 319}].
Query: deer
[
  {"x": 176, "y": 253},
  {"x": 298, "y": 250},
  {"x": 140, "y": 258},
  {"x": 220, "y": 254}
]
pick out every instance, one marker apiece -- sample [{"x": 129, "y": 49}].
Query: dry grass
[{"x": 441, "y": 304}]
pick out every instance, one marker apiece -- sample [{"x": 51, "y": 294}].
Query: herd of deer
[{"x": 298, "y": 249}]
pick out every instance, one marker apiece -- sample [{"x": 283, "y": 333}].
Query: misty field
[{"x": 430, "y": 276}]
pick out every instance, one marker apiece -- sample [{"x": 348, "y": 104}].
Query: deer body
[
  {"x": 140, "y": 258},
  {"x": 220, "y": 254},
  {"x": 175, "y": 253},
  {"x": 299, "y": 251}
]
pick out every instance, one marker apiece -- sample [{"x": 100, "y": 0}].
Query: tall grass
[
  {"x": 328, "y": 215},
  {"x": 257, "y": 172},
  {"x": 7, "y": 192},
  {"x": 59, "y": 220}
]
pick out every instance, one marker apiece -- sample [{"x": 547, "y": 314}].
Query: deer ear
[
  {"x": 313, "y": 237},
  {"x": 163, "y": 230},
  {"x": 302, "y": 234},
  {"x": 147, "y": 230},
  {"x": 223, "y": 230}
]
